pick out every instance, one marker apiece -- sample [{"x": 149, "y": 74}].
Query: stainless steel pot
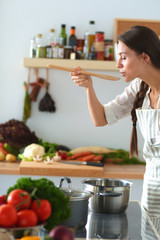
[
  {"x": 78, "y": 204},
  {"x": 109, "y": 195}
]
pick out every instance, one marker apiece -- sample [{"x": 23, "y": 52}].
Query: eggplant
[{"x": 62, "y": 147}]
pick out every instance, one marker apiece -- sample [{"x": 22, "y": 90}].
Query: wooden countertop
[
  {"x": 61, "y": 169},
  {"x": 9, "y": 168}
]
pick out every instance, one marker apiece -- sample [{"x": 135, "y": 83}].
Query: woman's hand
[{"x": 80, "y": 79}]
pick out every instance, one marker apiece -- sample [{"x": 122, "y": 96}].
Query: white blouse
[{"x": 122, "y": 105}]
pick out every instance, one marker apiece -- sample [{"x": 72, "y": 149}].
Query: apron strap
[{"x": 157, "y": 108}]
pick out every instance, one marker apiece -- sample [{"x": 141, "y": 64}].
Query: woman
[{"x": 139, "y": 63}]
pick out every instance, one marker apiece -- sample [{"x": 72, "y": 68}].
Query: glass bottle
[
  {"x": 61, "y": 49},
  {"x": 32, "y": 52},
  {"x": 51, "y": 37},
  {"x": 90, "y": 35},
  {"x": 40, "y": 47},
  {"x": 72, "y": 37},
  {"x": 63, "y": 35},
  {"x": 92, "y": 54},
  {"x": 99, "y": 45},
  {"x": 108, "y": 50},
  {"x": 86, "y": 50},
  {"x": 55, "y": 48},
  {"x": 50, "y": 43}
]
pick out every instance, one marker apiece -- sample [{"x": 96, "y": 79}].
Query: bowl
[{"x": 19, "y": 232}]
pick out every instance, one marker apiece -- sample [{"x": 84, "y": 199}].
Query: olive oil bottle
[
  {"x": 90, "y": 35},
  {"x": 63, "y": 35}
]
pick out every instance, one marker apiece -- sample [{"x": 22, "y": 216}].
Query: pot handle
[
  {"x": 110, "y": 194},
  {"x": 68, "y": 180}
]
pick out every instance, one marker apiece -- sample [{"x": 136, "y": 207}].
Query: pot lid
[{"x": 76, "y": 195}]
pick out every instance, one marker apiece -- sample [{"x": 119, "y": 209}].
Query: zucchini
[{"x": 93, "y": 149}]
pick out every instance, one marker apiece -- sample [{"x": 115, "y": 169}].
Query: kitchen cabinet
[{"x": 85, "y": 64}]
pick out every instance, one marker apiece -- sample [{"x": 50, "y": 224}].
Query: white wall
[
  {"x": 135, "y": 191},
  {"x": 71, "y": 124}
]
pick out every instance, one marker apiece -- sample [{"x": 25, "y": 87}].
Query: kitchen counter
[
  {"x": 61, "y": 169},
  {"x": 133, "y": 224},
  {"x": 9, "y": 168}
]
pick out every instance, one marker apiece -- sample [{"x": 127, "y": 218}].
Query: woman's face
[{"x": 129, "y": 62}]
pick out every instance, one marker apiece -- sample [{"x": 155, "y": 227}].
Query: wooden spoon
[{"x": 107, "y": 77}]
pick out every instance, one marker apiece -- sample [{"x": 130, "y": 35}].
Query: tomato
[
  {"x": 2, "y": 144},
  {"x": 43, "y": 209},
  {"x": 26, "y": 218},
  {"x": 8, "y": 215},
  {"x": 2, "y": 199},
  {"x": 5, "y": 152},
  {"x": 19, "y": 198},
  {"x": 62, "y": 154}
]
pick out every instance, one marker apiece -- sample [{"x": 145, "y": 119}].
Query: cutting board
[{"x": 59, "y": 169}]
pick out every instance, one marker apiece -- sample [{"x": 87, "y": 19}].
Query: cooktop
[{"x": 133, "y": 224}]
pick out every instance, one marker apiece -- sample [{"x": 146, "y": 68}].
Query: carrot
[
  {"x": 78, "y": 155},
  {"x": 87, "y": 158},
  {"x": 97, "y": 158}
]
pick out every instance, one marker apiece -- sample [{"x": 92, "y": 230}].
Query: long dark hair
[{"x": 141, "y": 39}]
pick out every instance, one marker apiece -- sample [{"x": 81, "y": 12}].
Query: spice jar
[
  {"x": 41, "y": 48},
  {"x": 67, "y": 52},
  {"x": 99, "y": 45},
  {"x": 108, "y": 49}
]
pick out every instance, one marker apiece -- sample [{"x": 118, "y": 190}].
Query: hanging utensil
[
  {"x": 36, "y": 86},
  {"x": 106, "y": 77},
  {"x": 27, "y": 100},
  {"x": 47, "y": 104}
]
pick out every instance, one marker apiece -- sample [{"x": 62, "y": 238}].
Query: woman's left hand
[{"x": 80, "y": 79}]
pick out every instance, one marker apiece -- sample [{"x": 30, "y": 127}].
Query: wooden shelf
[{"x": 85, "y": 64}]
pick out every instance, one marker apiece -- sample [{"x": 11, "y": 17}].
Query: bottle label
[
  {"x": 41, "y": 52},
  {"x": 61, "y": 52},
  {"x": 55, "y": 51},
  {"x": 99, "y": 46},
  {"x": 49, "y": 52}
]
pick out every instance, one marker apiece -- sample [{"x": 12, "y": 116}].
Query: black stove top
[{"x": 134, "y": 224}]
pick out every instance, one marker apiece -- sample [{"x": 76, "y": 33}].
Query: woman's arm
[
  {"x": 112, "y": 111},
  {"x": 96, "y": 109}
]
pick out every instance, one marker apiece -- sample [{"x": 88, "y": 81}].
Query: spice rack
[{"x": 85, "y": 64}]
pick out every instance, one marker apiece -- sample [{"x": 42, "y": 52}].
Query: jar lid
[
  {"x": 99, "y": 32},
  {"x": 92, "y": 22},
  {"x": 39, "y": 35}
]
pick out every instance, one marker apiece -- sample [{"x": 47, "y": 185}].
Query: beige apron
[
  {"x": 149, "y": 227},
  {"x": 148, "y": 120},
  {"x": 149, "y": 123}
]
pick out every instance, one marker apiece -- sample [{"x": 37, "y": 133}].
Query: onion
[{"x": 61, "y": 233}]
